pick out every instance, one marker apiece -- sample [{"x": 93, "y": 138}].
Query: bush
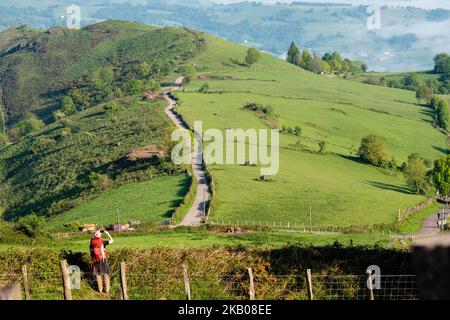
[
  {"x": 204, "y": 88},
  {"x": 372, "y": 150},
  {"x": 31, "y": 225},
  {"x": 134, "y": 86},
  {"x": 41, "y": 144},
  {"x": 111, "y": 107},
  {"x": 3, "y": 139}
]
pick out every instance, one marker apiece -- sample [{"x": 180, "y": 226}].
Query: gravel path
[{"x": 197, "y": 211}]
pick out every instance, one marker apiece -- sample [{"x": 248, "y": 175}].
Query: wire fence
[{"x": 172, "y": 286}]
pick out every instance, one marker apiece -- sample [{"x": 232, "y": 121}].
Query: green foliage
[
  {"x": 411, "y": 81},
  {"x": 259, "y": 108},
  {"x": 3, "y": 139},
  {"x": 26, "y": 126},
  {"x": 42, "y": 144},
  {"x": 143, "y": 69},
  {"x": 442, "y": 63},
  {"x": 188, "y": 72},
  {"x": 134, "y": 86},
  {"x": 415, "y": 173},
  {"x": 294, "y": 55},
  {"x": 111, "y": 107},
  {"x": 204, "y": 88},
  {"x": 68, "y": 106},
  {"x": 31, "y": 225},
  {"x": 372, "y": 150},
  {"x": 425, "y": 93},
  {"x": 152, "y": 85},
  {"x": 102, "y": 77},
  {"x": 95, "y": 144},
  {"x": 441, "y": 175},
  {"x": 442, "y": 116},
  {"x": 81, "y": 99},
  {"x": 252, "y": 56}
]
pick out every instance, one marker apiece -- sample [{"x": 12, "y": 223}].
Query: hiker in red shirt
[{"x": 100, "y": 267}]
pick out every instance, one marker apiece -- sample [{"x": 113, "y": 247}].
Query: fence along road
[{"x": 198, "y": 209}]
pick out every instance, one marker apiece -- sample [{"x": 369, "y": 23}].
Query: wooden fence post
[
  {"x": 251, "y": 290},
  {"x": 25, "y": 282},
  {"x": 309, "y": 284},
  {"x": 187, "y": 286},
  {"x": 66, "y": 280},
  {"x": 123, "y": 281},
  {"x": 372, "y": 297}
]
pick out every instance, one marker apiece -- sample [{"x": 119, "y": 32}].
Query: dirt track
[{"x": 197, "y": 211}]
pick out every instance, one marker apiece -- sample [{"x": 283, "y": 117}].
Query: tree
[
  {"x": 144, "y": 69},
  {"x": 372, "y": 150},
  {"x": 30, "y": 124},
  {"x": 442, "y": 63},
  {"x": 80, "y": 98},
  {"x": 134, "y": 86},
  {"x": 252, "y": 57},
  {"x": 415, "y": 173},
  {"x": 307, "y": 59},
  {"x": 411, "y": 81},
  {"x": 441, "y": 175},
  {"x": 102, "y": 77},
  {"x": 68, "y": 106},
  {"x": 188, "y": 72},
  {"x": 442, "y": 114},
  {"x": 294, "y": 54},
  {"x": 424, "y": 92},
  {"x": 152, "y": 85}
]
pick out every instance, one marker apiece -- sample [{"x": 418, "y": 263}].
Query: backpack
[{"x": 96, "y": 249}]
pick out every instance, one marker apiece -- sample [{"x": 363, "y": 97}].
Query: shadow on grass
[
  {"x": 391, "y": 187},
  {"x": 444, "y": 151}
]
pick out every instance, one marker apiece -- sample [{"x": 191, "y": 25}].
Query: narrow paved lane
[{"x": 194, "y": 216}]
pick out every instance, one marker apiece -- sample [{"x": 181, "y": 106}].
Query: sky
[{"x": 426, "y": 4}]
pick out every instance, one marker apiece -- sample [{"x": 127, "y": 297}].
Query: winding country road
[{"x": 194, "y": 216}]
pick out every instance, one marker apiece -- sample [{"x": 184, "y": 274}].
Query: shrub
[
  {"x": 31, "y": 225},
  {"x": 372, "y": 150},
  {"x": 322, "y": 147},
  {"x": 41, "y": 144},
  {"x": 204, "y": 88},
  {"x": 111, "y": 107},
  {"x": 134, "y": 86},
  {"x": 3, "y": 139},
  {"x": 68, "y": 106},
  {"x": 415, "y": 171}
]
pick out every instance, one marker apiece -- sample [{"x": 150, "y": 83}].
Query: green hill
[
  {"x": 77, "y": 157},
  {"x": 340, "y": 189},
  {"x": 56, "y": 171},
  {"x": 38, "y": 68}
]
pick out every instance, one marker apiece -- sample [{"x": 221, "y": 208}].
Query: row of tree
[
  {"x": 329, "y": 63},
  {"x": 420, "y": 174},
  {"x": 438, "y": 105}
]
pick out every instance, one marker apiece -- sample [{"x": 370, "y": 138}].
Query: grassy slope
[
  {"x": 37, "y": 182},
  {"x": 63, "y": 56},
  {"x": 151, "y": 201},
  {"x": 340, "y": 189}
]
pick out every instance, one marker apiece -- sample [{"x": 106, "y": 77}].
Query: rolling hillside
[
  {"x": 340, "y": 189},
  {"x": 71, "y": 170},
  {"x": 77, "y": 157}
]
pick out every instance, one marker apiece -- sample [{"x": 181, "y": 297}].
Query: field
[
  {"x": 341, "y": 190},
  {"x": 152, "y": 201}
]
